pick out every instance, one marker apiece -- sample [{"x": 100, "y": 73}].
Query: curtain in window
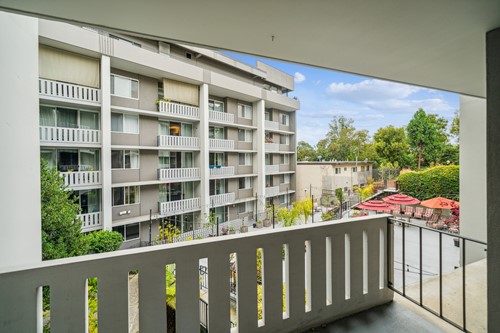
[
  {"x": 47, "y": 116},
  {"x": 164, "y": 128},
  {"x": 188, "y": 160},
  {"x": 116, "y": 122},
  {"x": 67, "y": 118},
  {"x": 164, "y": 160},
  {"x": 188, "y": 190},
  {"x": 131, "y": 195},
  {"x": 118, "y": 198},
  {"x": 187, "y": 130},
  {"x": 59, "y": 65},
  {"x": 131, "y": 159},
  {"x": 117, "y": 159},
  {"x": 89, "y": 120},
  {"x": 49, "y": 155},
  {"x": 163, "y": 193},
  {"x": 180, "y": 92},
  {"x": 89, "y": 160},
  {"x": 130, "y": 124},
  {"x": 124, "y": 87}
]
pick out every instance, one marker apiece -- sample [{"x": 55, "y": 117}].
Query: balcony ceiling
[{"x": 438, "y": 44}]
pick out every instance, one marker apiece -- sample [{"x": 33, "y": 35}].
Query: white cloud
[
  {"x": 371, "y": 90},
  {"x": 299, "y": 77}
]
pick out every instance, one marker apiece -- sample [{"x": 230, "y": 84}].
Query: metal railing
[{"x": 392, "y": 264}]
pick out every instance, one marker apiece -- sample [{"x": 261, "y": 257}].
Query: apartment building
[{"x": 147, "y": 130}]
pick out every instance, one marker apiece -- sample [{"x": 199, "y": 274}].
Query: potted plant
[
  {"x": 231, "y": 230},
  {"x": 243, "y": 228},
  {"x": 259, "y": 224}
]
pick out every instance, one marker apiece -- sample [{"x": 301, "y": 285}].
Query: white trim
[
  {"x": 123, "y": 156},
  {"x": 128, "y": 78}
]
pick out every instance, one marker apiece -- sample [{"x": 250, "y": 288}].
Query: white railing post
[
  {"x": 222, "y": 117},
  {"x": 69, "y": 91},
  {"x": 221, "y": 144},
  {"x": 177, "y": 109},
  {"x": 179, "y": 173},
  {"x": 69, "y": 135},
  {"x": 218, "y": 171},
  {"x": 178, "y": 141}
]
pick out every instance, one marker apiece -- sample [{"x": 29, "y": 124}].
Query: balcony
[
  {"x": 179, "y": 174},
  {"x": 272, "y": 147},
  {"x": 179, "y": 206},
  {"x": 221, "y": 144},
  {"x": 272, "y": 191},
  {"x": 272, "y": 168},
  {"x": 179, "y": 110},
  {"x": 221, "y": 117},
  {"x": 91, "y": 221},
  {"x": 221, "y": 171},
  {"x": 271, "y": 125},
  {"x": 342, "y": 271},
  {"x": 221, "y": 199},
  {"x": 49, "y": 134},
  {"x": 182, "y": 142},
  {"x": 67, "y": 91},
  {"x": 82, "y": 178}
]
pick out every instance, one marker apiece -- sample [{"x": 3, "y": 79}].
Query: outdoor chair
[
  {"x": 433, "y": 220},
  {"x": 408, "y": 212},
  {"x": 419, "y": 212},
  {"x": 428, "y": 213}
]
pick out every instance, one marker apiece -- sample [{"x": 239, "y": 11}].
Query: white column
[
  {"x": 473, "y": 174},
  {"x": 20, "y": 240},
  {"x": 204, "y": 151},
  {"x": 106, "y": 209},
  {"x": 260, "y": 160}
]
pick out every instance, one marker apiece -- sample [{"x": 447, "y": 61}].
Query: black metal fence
[{"x": 393, "y": 264}]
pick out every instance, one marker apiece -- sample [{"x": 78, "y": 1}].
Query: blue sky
[{"x": 371, "y": 103}]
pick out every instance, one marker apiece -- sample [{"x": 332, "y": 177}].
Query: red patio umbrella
[
  {"x": 375, "y": 205},
  {"x": 440, "y": 203},
  {"x": 401, "y": 199}
]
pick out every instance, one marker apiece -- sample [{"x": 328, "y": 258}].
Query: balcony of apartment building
[
  {"x": 270, "y": 145},
  {"x": 178, "y": 198},
  {"x": 177, "y": 135},
  {"x": 219, "y": 194},
  {"x": 176, "y": 166},
  {"x": 218, "y": 139},
  {"x": 218, "y": 114},
  {"x": 219, "y": 166},
  {"x": 69, "y": 126},
  {"x": 179, "y": 110},
  {"x": 90, "y": 206}
]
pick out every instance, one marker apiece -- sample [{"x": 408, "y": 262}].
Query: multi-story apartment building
[{"x": 142, "y": 128}]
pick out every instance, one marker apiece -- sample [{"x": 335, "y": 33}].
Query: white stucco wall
[
  {"x": 20, "y": 240},
  {"x": 473, "y": 174}
]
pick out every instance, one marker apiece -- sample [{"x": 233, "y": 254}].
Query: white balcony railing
[
  {"x": 178, "y": 141},
  {"x": 176, "y": 109},
  {"x": 221, "y": 144},
  {"x": 69, "y": 91},
  {"x": 272, "y": 147},
  {"x": 222, "y": 117},
  {"x": 91, "y": 221},
  {"x": 272, "y": 168},
  {"x": 222, "y": 199},
  {"x": 179, "y": 206},
  {"x": 332, "y": 269},
  {"x": 272, "y": 191},
  {"x": 218, "y": 171},
  {"x": 271, "y": 125},
  {"x": 178, "y": 174},
  {"x": 69, "y": 135},
  {"x": 82, "y": 178}
]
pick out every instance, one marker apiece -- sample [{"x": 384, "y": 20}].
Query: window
[
  {"x": 217, "y": 159},
  {"x": 282, "y": 199},
  {"x": 127, "y": 195},
  {"x": 284, "y": 119},
  {"x": 68, "y": 118},
  {"x": 245, "y": 159},
  {"x": 338, "y": 171},
  {"x": 245, "y": 182},
  {"x": 172, "y": 160},
  {"x": 284, "y": 159},
  {"x": 244, "y": 111},
  {"x": 246, "y": 207},
  {"x": 216, "y": 132},
  {"x": 124, "y": 159},
  {"x": 362, "y": 168},
  {"x": 367, "y": 168},
  {"x": 284, "y": 139},
  {"x": 285, "y": 179},
  {"x": 245, "y": 135},
  {"x": 267, "y": 115},
  {"x": 215, "y": 105},
  {"x": 189, "y": 55},
  {"x": 345, "y": 169},
  {"x": 129, "y": 231},
  {"x": 124, "y": 87},
  {"x": 124, "y": 123},
  {"x": 354, "y": 169}
]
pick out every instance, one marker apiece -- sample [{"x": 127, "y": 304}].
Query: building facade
[{"x": 144, "y": 130}]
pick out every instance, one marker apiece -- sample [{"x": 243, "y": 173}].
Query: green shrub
[{"x": 440, "y": 181}]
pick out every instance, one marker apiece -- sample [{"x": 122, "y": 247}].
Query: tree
[
  {"x": 340, "y": 197},
  {"x": 103, "y": 241},
  {"x": 60, "y": 224},
  {"x": 365, "y": 192},
  {"x": 455, "y": 126},
  {"x": 392, "y": 146},
  {"x": 167, "y": 234},
  {"x": 304, "y": 207},
  {"x": 306, "y": 152},
  {"x": 288, "y": 216},
  {"x": 424, "y": 137}
]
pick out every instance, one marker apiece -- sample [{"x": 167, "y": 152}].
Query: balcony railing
[
  {"x": 271, "y": 125},
  {"x": 272, "y": 191},
  {"x": 222, "y": 199},
  {"x": 178, "y": 174},
  {"x": 221, "y": 144},
  {"x": 218, "y": 171},
  {"x": 272, "y": 168},
  {"x": 272, "y": 147},
  {"x": 179, "y": 206},
  {"x": 91, "y": 221},
  {"x": 176, "y": 109},
  {"x": 322, "y": 272},
  {"x": 222, "y": 117},
  {"x": 82, "y": 178},
  {"x": 178, "y": 141},
  {"x": 69, "y": 91},
  {"x": 69, "y": 135}
]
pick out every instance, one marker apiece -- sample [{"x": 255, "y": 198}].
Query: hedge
[{"x": 440, "y": 181}]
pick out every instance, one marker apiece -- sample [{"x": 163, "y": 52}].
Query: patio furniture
[
  {"x": 419, "y": 212},
  {"x": 433, "y": 220},
  {"x": 409, "y": 210},
  {"x": 428, "y": 213}
]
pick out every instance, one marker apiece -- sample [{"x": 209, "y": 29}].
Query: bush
[
  {"x": 440, "y": 181},
  {"x": 103, "y": 241}
]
